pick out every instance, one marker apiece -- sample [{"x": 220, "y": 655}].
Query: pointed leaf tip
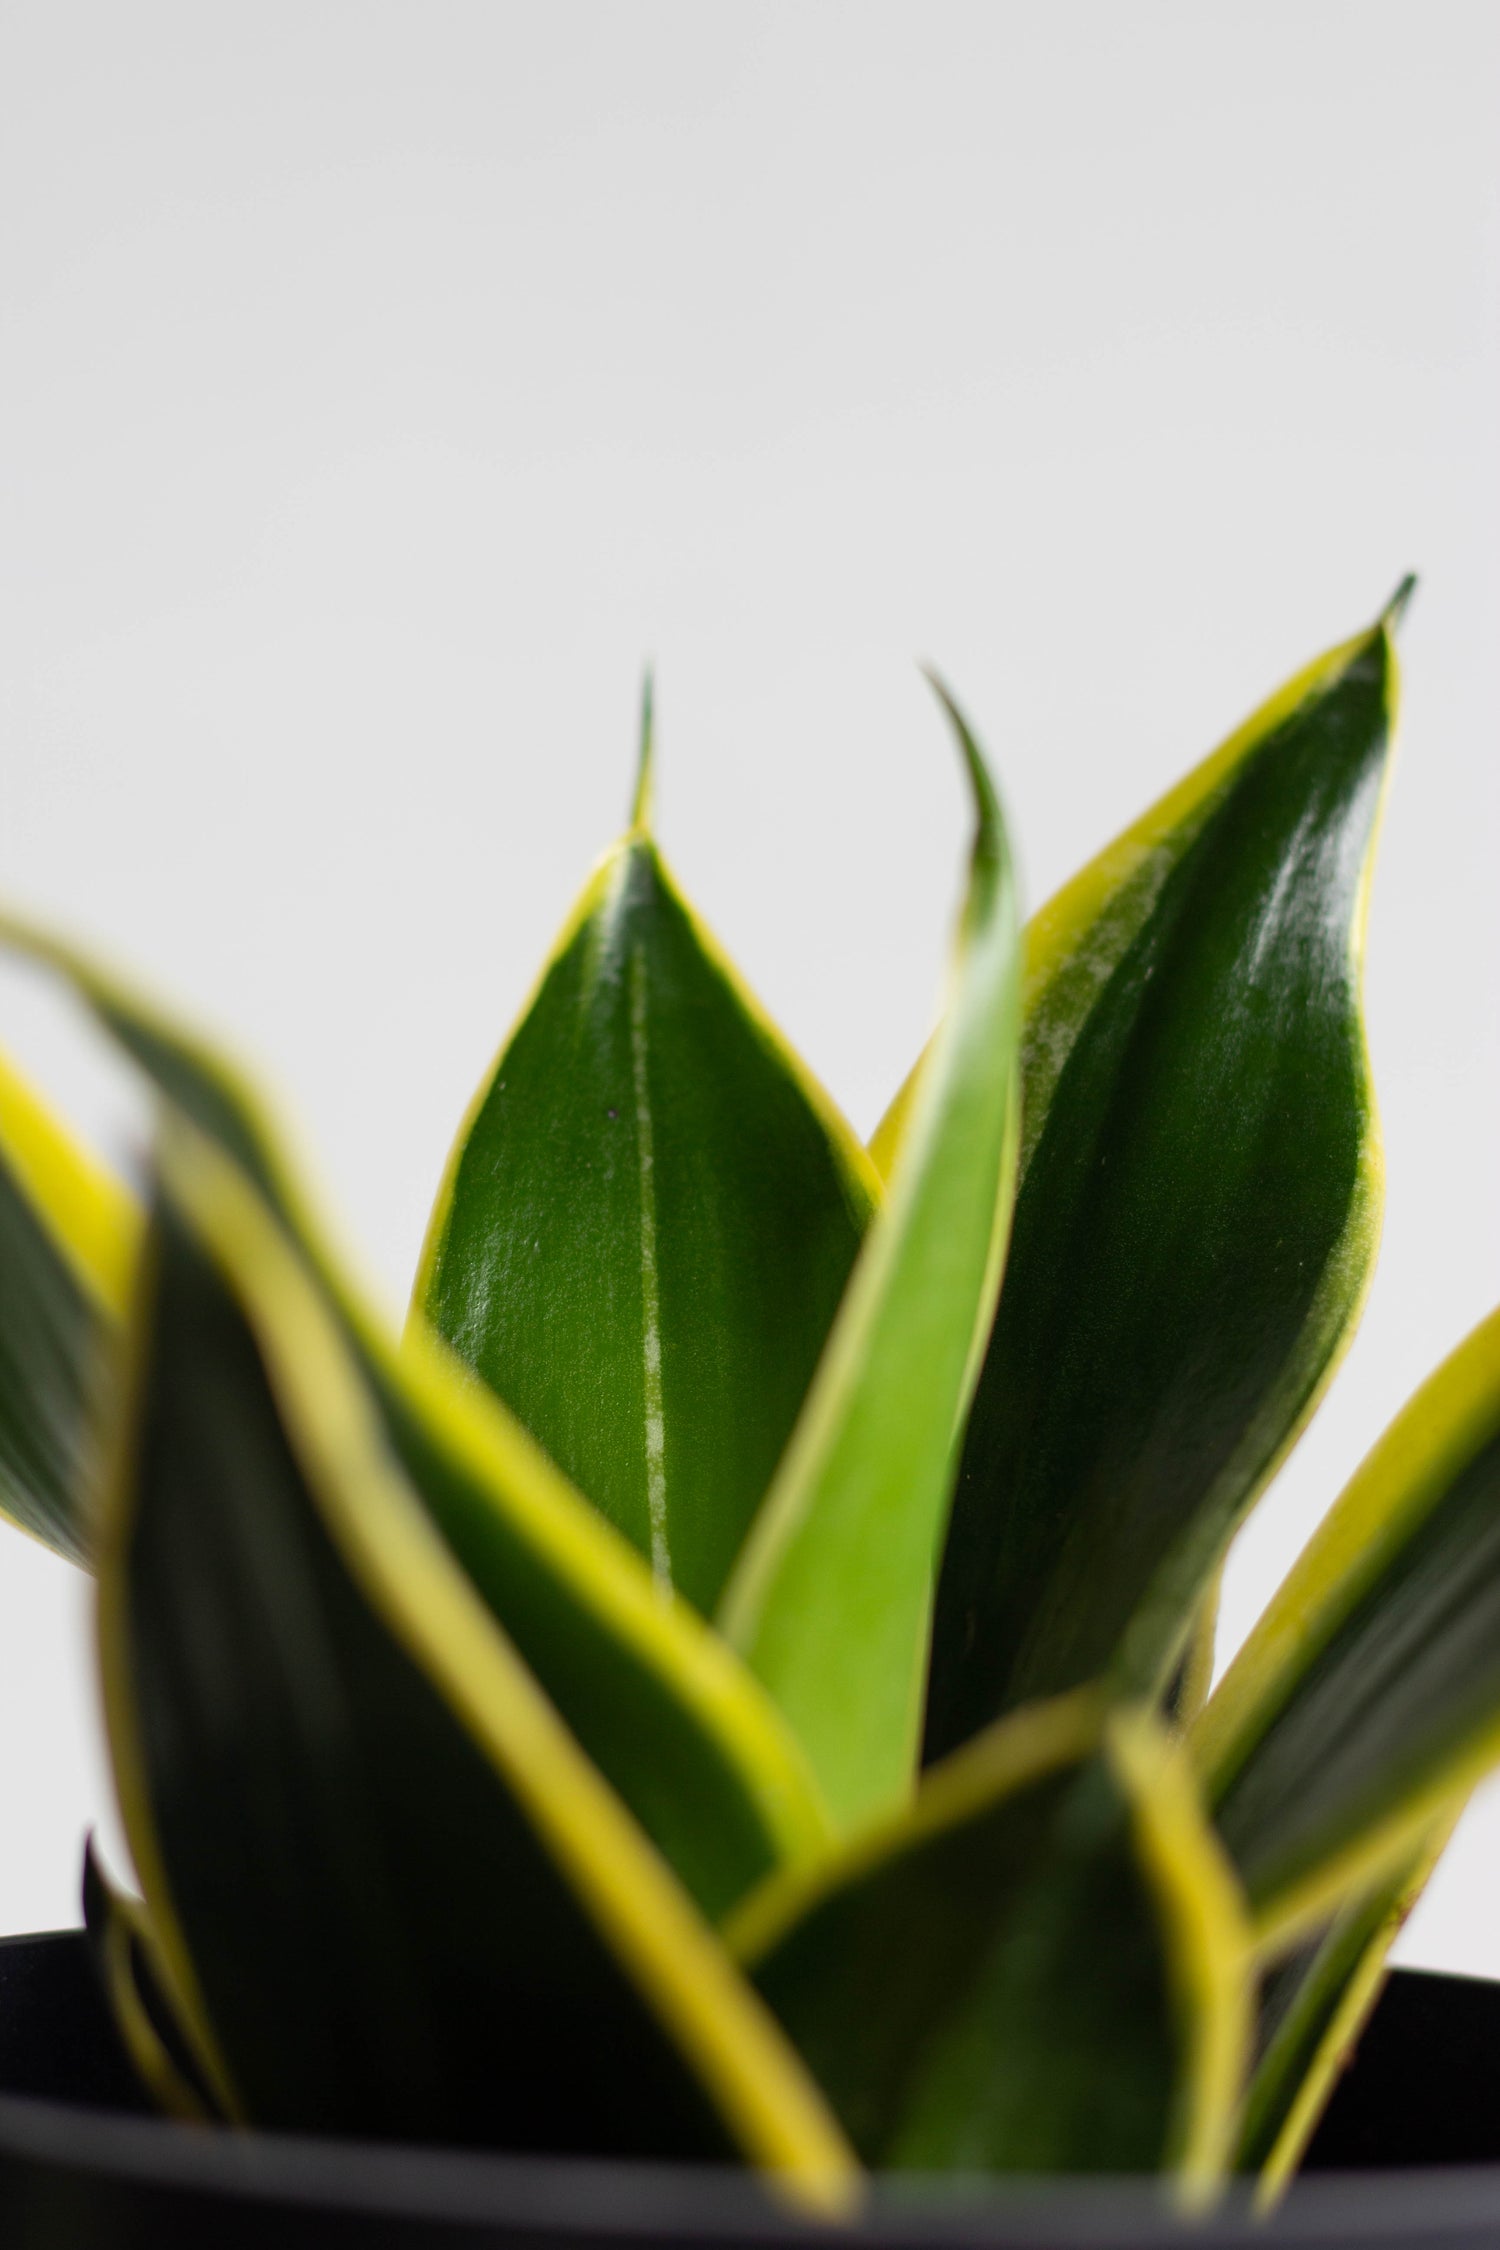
[
  {"x": 645, "y": 777},
  {"x": 830, "y": 1596},
  {"x": 986, "y": 803},
  {"x": 1399, "y": 603},
  {"x": 1149, "y": 979}
]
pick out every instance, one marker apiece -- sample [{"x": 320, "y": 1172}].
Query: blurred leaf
[
  {"x": 831, "y": 1600},
  {"x": 1040, "y": 1967},
  {"x": 647, "y": 1223},
  {"x": 666, "y": 1711},
  {"x": 158, "y": 2048},
  {"x": 1366, "y": 1703},
  {"x": 68, "y": 1238},
  {"x": 885, "y": 1141},
  {"x": 1314, "y": 2004},
  {"x": 1197, "y": 1213},
  {"x": 393, "y": 1895},
  {"x": 1188, "y": 1689}
]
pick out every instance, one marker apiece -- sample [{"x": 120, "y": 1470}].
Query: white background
[{"x": 381, "y": 385}]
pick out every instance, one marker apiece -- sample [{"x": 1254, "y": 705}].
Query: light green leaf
[
  {"x": 68, "y": 1238},
  {"x": 1199, "y": 1199},
  {"x": 393, "y": 1895},
  {"x": 1366, "y": 1703},
  {"x": 677, "y": 1724},
  {"x": 647, "y": 1223},
  {"x": 1040, "y": 1967},
  {"x": 831, "y": 1599}
]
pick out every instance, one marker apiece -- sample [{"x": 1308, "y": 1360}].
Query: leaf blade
[
  {"x": 682, "y": 1730},
  {"x": 1322, "y": 1999},
  {"x": 1366, "y": 1702},
  {"x": 1039, "y": 1967},
  {"x": 68, "y": 1238},
  {"x": 831, "y": 1597},
  {"x": 647, "y": 1222},
  {"x": 1194, "y": 1060},
  {"x": 378, "y": 1737},
  {"x": 157, "y": 2049}
]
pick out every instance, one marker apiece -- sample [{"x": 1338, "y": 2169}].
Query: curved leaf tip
[
  {"x": 830, "y": 1597},
  {"x": 989, "y": 825},
  {"x": 642, "y": 803}
]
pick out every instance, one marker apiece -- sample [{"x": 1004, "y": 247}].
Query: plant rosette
[{"x": 728, "y": 1685}]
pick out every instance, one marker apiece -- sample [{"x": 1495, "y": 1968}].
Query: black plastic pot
[{"x": 82, "y": 2169}]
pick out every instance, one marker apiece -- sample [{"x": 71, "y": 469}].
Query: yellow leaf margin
[
  {"x": 423, "y": 1599},
  {"x": 1454, "y": 1414},
  {"x": 600, "y": 1568},
  {"x": 1205, "y": 1928},
  {"x": 92, "y": 1220}
]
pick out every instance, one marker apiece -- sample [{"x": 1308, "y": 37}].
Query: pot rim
[
  {"x": 624, "y": 2202},
  {"x": 473, "y": 2195}
]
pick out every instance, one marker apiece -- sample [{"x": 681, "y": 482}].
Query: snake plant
[{"x": 730, "y": 1681}]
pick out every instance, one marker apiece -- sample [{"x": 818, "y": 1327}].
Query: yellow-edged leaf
[
  {"x": 680, "y": 1727},
  {"x": 393, "y": 1894},
  {"x": 831, "y": 1600}
]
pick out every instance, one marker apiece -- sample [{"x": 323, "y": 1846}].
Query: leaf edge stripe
[
  {"x": 423, "y": 1599},
  {"x": 1207, "y": 1939},
  {"x": 91, "y": 1219},
  {"x": 1393, "y": 1490},
  {"x": 602, "y": 1570},
  {"x": 1021, "y": 1748},
  {"x": 852, "y": 1158},
  {"x": 1348, "y": 2019}
]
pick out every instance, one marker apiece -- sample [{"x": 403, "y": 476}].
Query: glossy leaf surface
[
  {"x": 1366, "y": 1703},
  {"x": 677, "y": 1725},
  {"x": 1039, "y": 1968},
  {"x": 1197, "y": 1210},
  {"x": 831, "y": 1600},
  {"x": 67, "y": 1239},
  {"x": 647, "y": 1224},
  {"x": 393, "y": 1896}
]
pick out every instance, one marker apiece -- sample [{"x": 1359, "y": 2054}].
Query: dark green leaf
[
  {"x": 647, "y": 1224},
  {"x": 393, "y": 1896},
  {"x": 1313, "y": 2005},
  {"x": 831, "y": 1600},
  {"x": 1366, "y": 1703},
  {"x": 678, "y": 1725},
  {"x": 1197, "y": 1210},
  {"x": 1039, "y": 1968}
]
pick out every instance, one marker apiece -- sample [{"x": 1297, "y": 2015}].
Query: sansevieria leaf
[
  {"x": 1041, "y": 1966},
  {"x": 1198, "y": 1205},
  {"x": 680, "y": 1728},
  {"x": 119, "y": 1935},
  {"x": 730, "y": 1683},
  {"x": 1314, "y": 2004},
  {"x": 831, "y": 1599},
  {"x": 68, "y": 1235},
  {"x": 392, "y": 1894},
  {"x": 647, "y": 1222},
  {"x": 1366, "y": 1703}
]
